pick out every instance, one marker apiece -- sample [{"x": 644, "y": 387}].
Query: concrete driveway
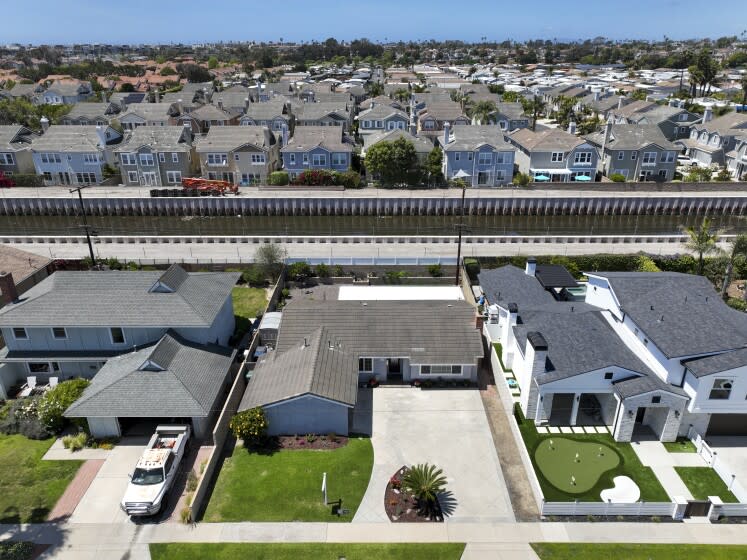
[
  {"x": 100, "y": 503},
  {"x": 732, "y": 450},
  {"x": 445, "y": 427}
]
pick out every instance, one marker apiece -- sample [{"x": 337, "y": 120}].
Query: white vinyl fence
[
  {"x": 666, "y": 509},
  {"x": 718, "y": 464}
]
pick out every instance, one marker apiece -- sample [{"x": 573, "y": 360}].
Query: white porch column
[{"x": 574, "y": 408}]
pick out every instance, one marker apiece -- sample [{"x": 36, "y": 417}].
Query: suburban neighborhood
[{"x": 344, "y": 298}]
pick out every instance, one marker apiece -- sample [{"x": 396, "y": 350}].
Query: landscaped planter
[{"x": 401, "y": 507}]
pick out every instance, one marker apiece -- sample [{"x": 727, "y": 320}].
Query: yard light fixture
[
  {"x": 676, "y": 413},
  {"x": 630, "y": 412}
]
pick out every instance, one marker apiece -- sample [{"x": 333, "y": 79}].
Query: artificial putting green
[{"x": 574, "y": 466}]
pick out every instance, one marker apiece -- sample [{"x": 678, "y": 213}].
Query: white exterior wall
[
  {"x": 104, "y": 427},
  {"x": 699, "y": 390},
  {"x": 307, "y": 415}
]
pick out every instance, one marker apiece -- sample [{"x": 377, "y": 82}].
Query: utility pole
[
  {"x": 86, "y": 227},
  {"x": 460, "y": 226}
]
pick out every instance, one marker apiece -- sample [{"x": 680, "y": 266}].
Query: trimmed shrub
[
  {"x": 27, "y": 180},
  {"x": 435, "y": 270},
  {"x": 57, "y": 400},
  {"x": 299, "y": 271},
  {"x": 22, "y": 550},
  {"x": 737, "y": 303},
  {"x": 22, "y": 417},
  {"x": 315, "y": 178},
  {"x": 255, "y": 277},
  {"x": 322, "y": 270},
  {"x": 76, "y": 442},
  {"x": 347, "y": 179},
  {"x": 617, "y": 178},
  {"x": 278, "y": 178},
  {"x": 647, "y": 264},
  {"x": 250, "y": 425}
]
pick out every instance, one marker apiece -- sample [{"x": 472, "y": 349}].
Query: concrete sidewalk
[{"x": 653, "y": 454}]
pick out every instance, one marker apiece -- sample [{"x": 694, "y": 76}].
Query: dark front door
[
  {"x": 394, "y": 369},
  {"x": 640, "y": 414}
]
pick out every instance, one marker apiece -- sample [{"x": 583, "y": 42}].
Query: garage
[{"x": 727, "y": 425}]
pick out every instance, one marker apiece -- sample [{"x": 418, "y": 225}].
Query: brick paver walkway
[{"x": 75, "y": 490}]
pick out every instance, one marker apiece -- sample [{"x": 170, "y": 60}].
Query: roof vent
[{"x": 652, "y": 308}]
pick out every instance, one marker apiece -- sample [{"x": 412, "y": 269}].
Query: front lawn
[
  {"x": 682, "y": 445},
  {"x": 307, "y": 551},
  {"x": 30, "y": 487},
  {"x": 286, "y": 485},
  {"x": 248, "y": 303},
  {"x": 703, "y": 482},
  {"x": 628, "y": 465},
  {"x": 586, "y": 551}
]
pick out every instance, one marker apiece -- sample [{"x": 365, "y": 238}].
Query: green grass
[
  {"x": 286, "y": 485},
  {"x": 560, "y": 458},
  {"x": 586, "y": 551},
  {"x": 30, "y": 487},
  {"x": 630, "y": 465},
  {"x": 682, "y": 445},
  {"x": 247, "y": 303},
  {"x": 499, "y": 351},
  {"x": 307, "y": 551},
  {"x": 703, "y": 482}
]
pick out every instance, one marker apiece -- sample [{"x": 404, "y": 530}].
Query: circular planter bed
[{"x": 401, "y": 507}]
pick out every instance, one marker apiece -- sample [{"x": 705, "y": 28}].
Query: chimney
[
  {"x": 513, "y": 314},
  {"x": 707, "y": 115},
  {"x": 246, "y": 104},
  {"x": 620, "y": 102},
  {"x": 220, "y": 103},
  {"x": 284, "y": 135},
  {"x": 682, "y": 103},
  {"x": 447, "y": 133},
  {"x": 103, "y": 96},
  {"x": 259, "y": 90},
  {"x": 8, "y": 288},
  {"x": 479, "y": 320},
  {"x": 536, "y": 353},
  {"x": 607, "y": 134},
  {"x": 531, "y": 267},
  {"x": 122, "y": 105},
  {"x": 101, "y": 133},
  {"x": 596, "y": 96},
  {"x": 413, "y": 129},
  {"x": 373, "y": 104},
  {"x": 572, "y": 127},
  {"x": 44, "y": 123},
  {"x": 180, "y": 106}
]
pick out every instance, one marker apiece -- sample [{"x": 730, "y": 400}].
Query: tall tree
[
  {"x": 737, "y": 253},
  {"x": 482, "y": 110},
  {"x": 433, "y": 166},
  {"x": 533, "y": 107},
  {"x": 394, "y": 162},
  {"x": 702, "y": 240}
]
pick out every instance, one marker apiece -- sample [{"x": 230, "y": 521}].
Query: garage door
[{"x": 727, "y": 425}]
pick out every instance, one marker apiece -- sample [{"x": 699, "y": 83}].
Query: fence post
[
  {"x": 680, "y": 504},
  {"x": 714, "y": 512}
]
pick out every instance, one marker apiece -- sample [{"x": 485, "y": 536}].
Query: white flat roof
[{"x": 400, "y": 293}]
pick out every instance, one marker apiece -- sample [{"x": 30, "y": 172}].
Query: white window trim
[
  {"x": 25, "y": 333},
  {"x": 460, "y": 366},
  {"x": 649, "y": 158},
  {"x": 147, "y": 160},
  {"x": 132, "y": 176},
  {"x": 620, "y": 155},
  {"x": 64, "y": 330},
  {"x": 124, "y": 336},
  {"x": 161, "y": 157},
  {"x": 557, "y": 157},
  {"x": 365, "y": 370},
  {"x": 50, "y": 367}
]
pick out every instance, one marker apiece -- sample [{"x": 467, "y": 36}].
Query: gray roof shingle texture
[
  {"x": 718, "y": 363},
  {"x": 122, "y": 299},
  {"x": 510, "y": 284},
  {"x": 635, "y": 386},
  {"x": 189, "y": 384},
  {"x": 681, "y": 313}
]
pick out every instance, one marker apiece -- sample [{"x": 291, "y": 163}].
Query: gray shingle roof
[
  {"x": 472, "y": 137},
  {"x": 266, "y": 111},
  {"x": 188, "y": 382},
  {"x": 15, "y": 137},
  {"x": 635, "y": 386},
  {"x": 159, "y": 138},
  {"x": 545, "y": 140},
  {"x": 323, "y": 367},
  {"x": 681, "y": 313},
  {"x": 422, "y": 145},
  {"x": 510, "y": 284},
  {"x": 306, "y": 138},
  {"x": 718, "y": 363},
  {"x": 632, "y": 137},
  {"x": 122, "y": 299},
  {"x": 72, "y": 138},
  {"x": 579, "y": 340},
  {"x": 227, "y": 138}
]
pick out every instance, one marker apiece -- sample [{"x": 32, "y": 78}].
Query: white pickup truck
[{"x": 155, "y": 471}]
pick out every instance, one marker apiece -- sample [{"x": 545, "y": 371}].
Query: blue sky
[{"x": 193, "y": 21}]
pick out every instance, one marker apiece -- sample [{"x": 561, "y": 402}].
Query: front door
[
  {"x": 149, "y": 179},
  {"x": 394, "y": 369},
  {"x": 640, "y": 414}
]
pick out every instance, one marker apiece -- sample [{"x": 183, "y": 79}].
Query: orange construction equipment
[{"x": 218, "y": 187}]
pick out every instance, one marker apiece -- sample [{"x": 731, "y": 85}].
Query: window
[
  {"x": 667, "y": 157},
  {"x": 620, "y": 155},
  {"x": 428, "y": 125},
  {"x": 117, "y": 335},
  {"x": 292, "y": 159},
  {"x": 500, "y": 175},
  {"x": 649, "y": 158},
  {"x": 365, "y": 364},
  {"x": 40, "y": 367},
  {"x": 483, "y": 178},
  {"x": 663, "y": 174},
  {"x": 582, "y": 158},
  {"x": 217, "y": 159},
  {"x": 379, "y": 124},
  {"x": 470, "y": 156},
  {"x": 174, "y": 157},
  {"x": 502, "y": 158},
  {"x": 655, "y": 400},
  {"x": 441, "y": 370},
  {"x": 633, "y": 155},
  {"x": 19, "y": 333},
  {"x": 127, "y": 159},
  {"x": 258, "y": 159},
  {"x": 339, "y": 159},
  {"x": 484, "y": 158},
  {"x": 162, "y": 157},
  {"x": 6, "y": 159},
  {"x": 51, "y": 158},
  {"x": 556, "y": 157},
  {"x": 59, "y": 332},
  {"x": 306, "y": 159},
  {"x": 90, "y": 158},
  {"x": 85, "y": 178},
  {"x": 683, "y": 117},
  {"x": 721, "y": 389},
  {"x": 174, "y": 177},
  {"x": 132, "y": 176},
  {"x": 235, "y": 157},
  {"x": 318, "y": 159},
  {"x": 47, "y": 176},
  {"x": 366, "y": 124},
  {"x": 146, "y": 159},
  {"x": 456, "y": 156},
  {"x": 608, "y": 375}
]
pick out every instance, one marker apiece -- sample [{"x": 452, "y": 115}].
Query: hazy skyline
[{"x": 190, "y": 21}]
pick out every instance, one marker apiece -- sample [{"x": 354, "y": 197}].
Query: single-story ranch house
[
  {"x": 325, "y": 349},
  {"x": 660, "y": 350}
]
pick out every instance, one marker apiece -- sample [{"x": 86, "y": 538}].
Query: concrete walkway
[
  {"x": 58, "y": 453},
  {"x": 74, "y": 492},
  {"x": 653, "y": 454}
]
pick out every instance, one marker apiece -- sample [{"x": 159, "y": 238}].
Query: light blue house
[
  {"x": 74, "y": 155},
  {"x": 479, "y": 155},
  {"x": 316, "y": 147}
]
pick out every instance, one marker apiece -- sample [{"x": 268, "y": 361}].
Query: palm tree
[
  {"x": 702, "y": 241},
  {"x": 482, "y": 110},
  {"x": 534, "y": 107},
  {"x": 737, "y": 253},
  {"x": 744, "y": 91},
  {"x": 425, "y": 482}
]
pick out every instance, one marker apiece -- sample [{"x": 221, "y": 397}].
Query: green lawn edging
[
  {"x": 499, "y": 352},
  {"x": 594, "y": 551},
  {"x": 703, "y": 482},
  {"x": 630, "y": 465},
  {"x": 307, "y": 551}
]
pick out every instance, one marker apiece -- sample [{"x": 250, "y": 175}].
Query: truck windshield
[{"x": 145, "y": 477}]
